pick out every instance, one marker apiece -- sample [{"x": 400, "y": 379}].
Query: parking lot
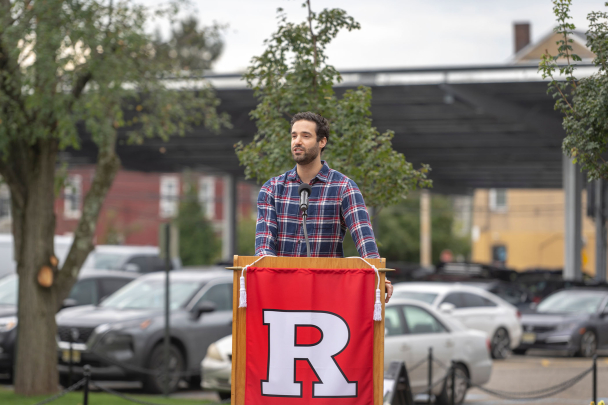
[{"x": 538, "y": 370}]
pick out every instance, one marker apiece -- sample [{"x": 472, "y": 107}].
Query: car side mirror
[
  {"x": 68, "y": 303},
  {"x": 447, "y": 308},
  {"x": 132, "y": 267},
  {"x": 203, "y": 307}
]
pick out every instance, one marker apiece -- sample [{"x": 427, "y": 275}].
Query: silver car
[{"x": 122, "y": 338}]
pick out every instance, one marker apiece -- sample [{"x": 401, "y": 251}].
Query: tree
[
  {"x": 582, "y": 101},
  {"x": 293, "y": 75},
  {"x": 198, "y": 243},
  {"x": 398, "y": 229},
  {"x": 68, "y": 67},
  {"x": 191, "y": 48}
]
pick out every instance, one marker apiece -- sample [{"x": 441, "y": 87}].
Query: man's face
[{"x": 304, "y": 145}]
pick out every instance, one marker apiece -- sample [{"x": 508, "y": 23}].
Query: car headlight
[
  {"x": 8, "y": 323},
  {"x": 214, "y": 353},
  {"x": 116, "y": 339}
]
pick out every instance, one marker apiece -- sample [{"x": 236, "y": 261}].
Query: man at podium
[{"x": 335, "y": 203}]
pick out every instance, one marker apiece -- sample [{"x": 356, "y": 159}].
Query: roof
[
  {"x": 126, "y": 249},
  {"x": 476, "y": 126},
  {"x": 439, "y": 288},
  {"x": 94, "y": 273}
]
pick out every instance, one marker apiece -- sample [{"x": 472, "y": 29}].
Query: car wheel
[
  {"x": 588, "y": 344},
  {"x": 501, "y": 344},
  {"x": 224, "y": 395},
  {"x": 461, "y": 387},
  {"x": 155, "y": 382}
]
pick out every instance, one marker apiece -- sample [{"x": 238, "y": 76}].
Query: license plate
[
  {"x": 65, "y": 356},
  {"x": 528, "y": 337}
]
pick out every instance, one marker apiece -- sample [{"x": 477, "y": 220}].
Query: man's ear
[{"x": 323, "y": 142}]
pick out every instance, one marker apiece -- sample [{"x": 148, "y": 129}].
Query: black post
[
  {"x": 430, "y": 361},
  {"x": 87, "y": 377},
  {"x": 453, "y": 376},
  {"x": 595, "y": 379},
  {"x": 166, "y": 339},
  {"x": 71, "y": 340}
]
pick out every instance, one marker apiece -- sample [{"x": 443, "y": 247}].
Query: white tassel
[
  {"x": 378, "y": 307},
  {"x": 243, "y": 292}
]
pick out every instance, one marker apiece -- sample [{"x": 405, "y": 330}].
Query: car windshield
[
  {"x": 9, "y": 287},
  {"x": 150, "y": 294},
  {"x": 570, "y": 301},
  {"x": 418, "y": 296},
  {"x": 105, "y": 260}
]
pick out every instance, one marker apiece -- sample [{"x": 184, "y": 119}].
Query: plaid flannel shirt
[{"x": 334, "y": 205}]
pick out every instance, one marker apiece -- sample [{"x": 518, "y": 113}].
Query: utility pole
[{"x": 425, "y": 229}]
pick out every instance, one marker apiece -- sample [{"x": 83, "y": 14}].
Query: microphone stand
[{"x": 304, "y": 215}]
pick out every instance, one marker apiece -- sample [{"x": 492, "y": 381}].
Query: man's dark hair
[{"x": 322, "y": 129}]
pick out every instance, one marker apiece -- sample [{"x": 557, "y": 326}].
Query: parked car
[
  {"x": 512, "y": 293},
  {"x": 474, "y": 307},
  {"x": 411, "y": 328},
  {"x": 124, "y": 334},
  {"x": 137, "y": 259},
  {"x": 574, "y": 320},
  {"x": 91, "y": 287},
  {"x": 7, "y": 261}
]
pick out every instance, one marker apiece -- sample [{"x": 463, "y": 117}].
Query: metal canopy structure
[{"x": 476, "y": 127}]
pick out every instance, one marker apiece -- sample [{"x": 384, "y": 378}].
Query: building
[{"x": 138, "y": 203}]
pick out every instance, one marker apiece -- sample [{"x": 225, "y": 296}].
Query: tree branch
[
  {"x": 314, "y": 44},
  {"x": 107, "y": 166}
]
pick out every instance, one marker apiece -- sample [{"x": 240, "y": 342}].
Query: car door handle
[
  {"x": 449, "y": 343},
  {"x": 405, "y": 348}
]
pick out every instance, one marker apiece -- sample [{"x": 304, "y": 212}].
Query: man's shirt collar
[{"x": 323, "y": 174}]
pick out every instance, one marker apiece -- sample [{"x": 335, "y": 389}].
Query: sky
[{"x": 393, "y": 34}]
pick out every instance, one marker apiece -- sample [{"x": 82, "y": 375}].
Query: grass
[{"x": 7, "y": 397}]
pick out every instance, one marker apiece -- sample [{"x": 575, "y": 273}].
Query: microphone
[{"x": 304, "y": 190}]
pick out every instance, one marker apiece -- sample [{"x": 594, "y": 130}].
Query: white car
[
  {"x": 474, "y": 307},
  {"x": 411, "y": 327},
  {"x": 216, "y": 367},
  {"x": 137, "y": 259}
]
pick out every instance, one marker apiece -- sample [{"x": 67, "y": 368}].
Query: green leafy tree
[
  {"x": 582, "y": 101},
  {"x": 246, "y": 236},
  {"x": 293, "y": 75},
  {"x": 398, "y": 231},
  {"x": 66, "y": 65},
  {"x": 191, "y": 48},
  {"x": 198, "y": 243}
]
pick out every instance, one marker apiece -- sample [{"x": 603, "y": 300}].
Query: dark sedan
[
  {"x": 122, "y": 338},
  {"x": 91, "y": 287},
  {"x": 575, "y": 321}
]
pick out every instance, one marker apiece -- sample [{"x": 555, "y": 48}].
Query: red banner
[{"x": 310, "y": 336}]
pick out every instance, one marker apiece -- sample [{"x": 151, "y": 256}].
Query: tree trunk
[{"x": 33, "y": 230}]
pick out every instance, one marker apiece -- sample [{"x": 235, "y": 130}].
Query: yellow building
[{"x": 524, "y": 229}]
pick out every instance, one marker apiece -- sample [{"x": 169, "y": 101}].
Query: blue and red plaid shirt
[{"x": 335, "y": 204}]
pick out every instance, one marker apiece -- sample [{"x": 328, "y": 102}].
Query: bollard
[
  {"x": 595, "y": 379},
  {"x": 453, "y": 377},
  {"x": 430, "y": 361},
  {"x": 71, "y": 361},
  {"x": 87, "y": 377}
]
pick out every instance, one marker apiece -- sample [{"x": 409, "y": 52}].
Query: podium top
[{"x": 308, "y": 262}]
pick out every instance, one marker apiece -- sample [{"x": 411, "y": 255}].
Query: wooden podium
[{"x": 240, "y": 315}]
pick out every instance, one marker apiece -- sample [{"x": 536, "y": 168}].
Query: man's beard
[{"x": 308, "y": 156}]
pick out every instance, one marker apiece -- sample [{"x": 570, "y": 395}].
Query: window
[
  {"x": 85, "y": 292},
  {"x": 476, "y": 301},
  {"x": 456, "y": 299},
  {"x": 206, "y": 195},
  {"x": 109, "y": 286},
  {"x": 169, "y": 196},
  {"x": 72, "y": 197},
  {"x": 419, "y": 321},
  {"x": 393, "y": 323},
  {"x": 220, "y": 295},
  {"x": 498, "y": 199},
  {"x": 499, "y": 255}
]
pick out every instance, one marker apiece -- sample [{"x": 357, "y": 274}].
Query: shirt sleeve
[
  {"x": 266, "y": 225},
  {"x": 357, "y": 221}
]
